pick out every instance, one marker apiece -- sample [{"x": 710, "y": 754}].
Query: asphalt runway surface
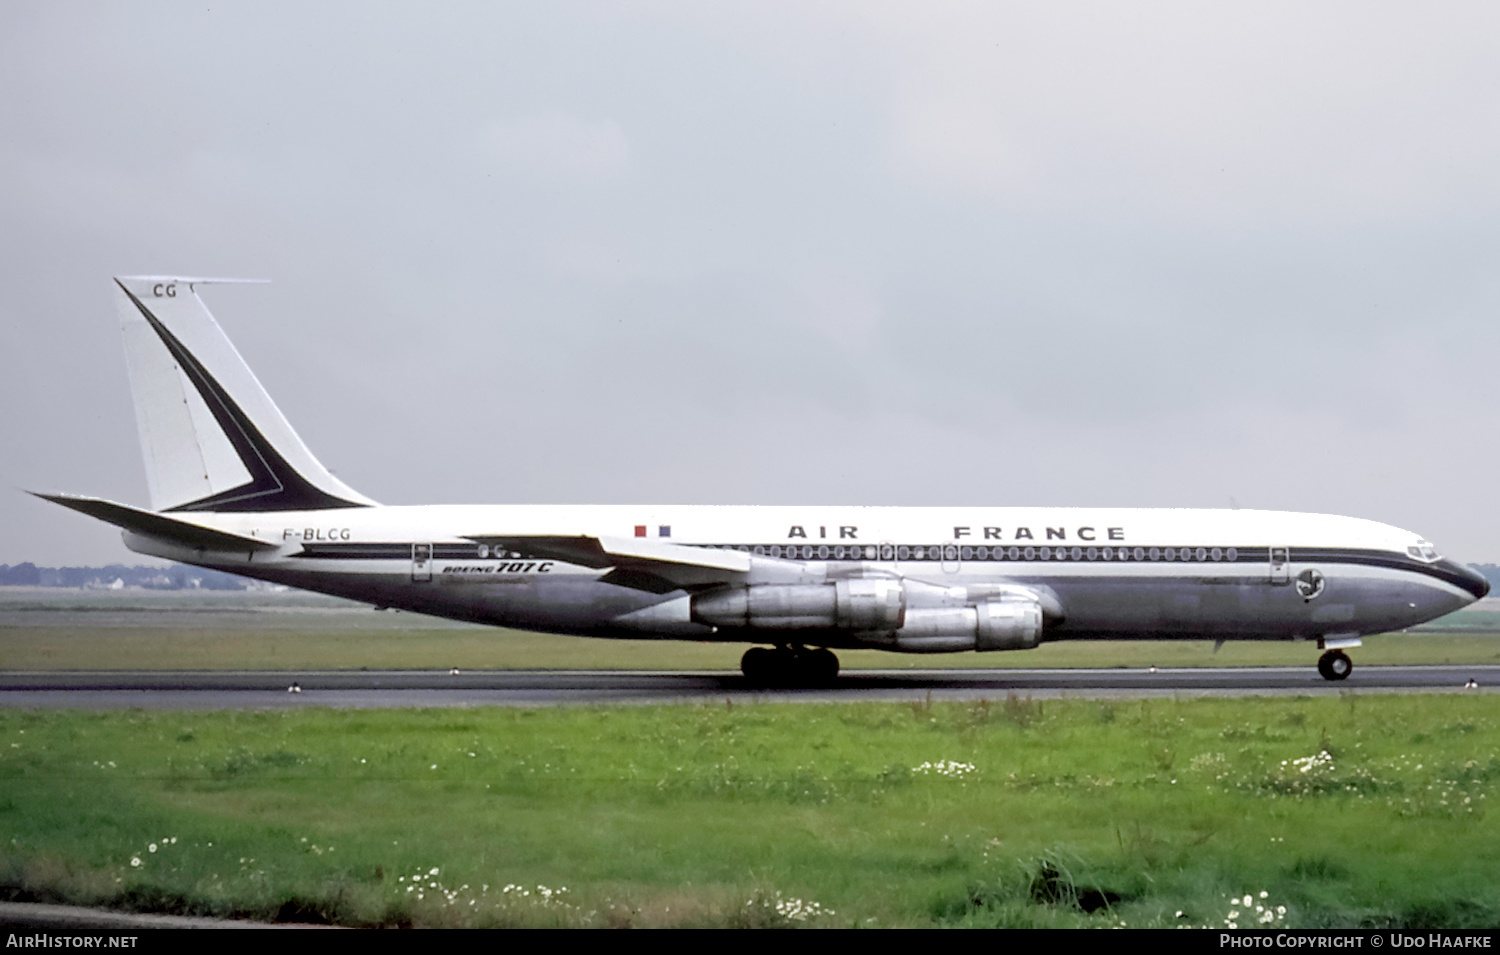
[{"x": 436, "y": 688}]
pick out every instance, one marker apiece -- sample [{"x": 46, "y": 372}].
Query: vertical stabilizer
[{"x": 212, "y": 438}]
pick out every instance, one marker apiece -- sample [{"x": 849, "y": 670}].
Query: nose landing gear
[
  {"x": 1335, "y": 665},
  {"x": 789, "y": 666}
]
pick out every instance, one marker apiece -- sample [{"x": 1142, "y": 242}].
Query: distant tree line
[{"x": 176, "y": 577}]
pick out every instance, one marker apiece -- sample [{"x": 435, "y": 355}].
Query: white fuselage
[{"x": 1095, "y": 572}]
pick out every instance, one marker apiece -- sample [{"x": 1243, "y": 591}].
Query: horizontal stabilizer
[
  {"x": 640, "y": 564},
  {"x": 157, "y": 525}
]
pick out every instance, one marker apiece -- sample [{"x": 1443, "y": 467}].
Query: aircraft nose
[{"x": 1469, "y": 579}]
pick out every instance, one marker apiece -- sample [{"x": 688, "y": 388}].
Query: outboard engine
[{"x": 988, "y": 625}]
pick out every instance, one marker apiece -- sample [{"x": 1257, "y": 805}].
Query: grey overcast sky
[{"x": 1161, "y": 254}]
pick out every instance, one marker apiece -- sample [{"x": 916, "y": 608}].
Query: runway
[{"x": 437, "y": 688}]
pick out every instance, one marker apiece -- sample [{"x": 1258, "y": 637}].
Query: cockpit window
[{"x": 1423, "y": 551}]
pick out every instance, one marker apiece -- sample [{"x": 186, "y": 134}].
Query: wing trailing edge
[{"x": 641, "y": 564}]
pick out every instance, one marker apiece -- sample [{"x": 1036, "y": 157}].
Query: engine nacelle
[
  {"x": 863, "y": 604},
  {"x": 878, "y": 608},
  {"x": 1008, "y": 625},
  {"x": 991, "y": 625}
]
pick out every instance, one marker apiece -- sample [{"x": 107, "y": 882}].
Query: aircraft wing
[
  {"x": 157, "y": 525},
  {"x": 642, "y": 564}
]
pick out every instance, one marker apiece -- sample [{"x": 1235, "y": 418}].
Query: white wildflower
[{"x": 945, "y": 767}]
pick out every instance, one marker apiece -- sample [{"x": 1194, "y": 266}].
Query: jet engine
[
  {"x": 881, "y": 611},
  {"x": 862, "y": 604},
  {"x": 988, "y": 625}
]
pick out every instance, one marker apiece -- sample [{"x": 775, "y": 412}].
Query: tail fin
[{"x": 211, "y": 436}]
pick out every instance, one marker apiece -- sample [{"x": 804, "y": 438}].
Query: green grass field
[
  {"x": 1001, "y": 812},
  {"x": 1336, "y": 811}
]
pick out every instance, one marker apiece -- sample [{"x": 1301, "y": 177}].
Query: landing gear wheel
[
  {"x": 1335, "y": 665},
  {"x": 789, "y": 666},
  {"x": 761, "y": 666},
  {"x": 820, "y": 667}
]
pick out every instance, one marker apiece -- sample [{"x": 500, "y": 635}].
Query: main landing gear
[
  {"x": 789, "y": 666},
  {"x": 1335, "y": 665}
]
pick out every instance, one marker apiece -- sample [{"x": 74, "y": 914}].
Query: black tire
[
  {"x": 1335, "y": 665},
  {"x": 821, "y": 666},
  {"x": 760, "y": 666}
]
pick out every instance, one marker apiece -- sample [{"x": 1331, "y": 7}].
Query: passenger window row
[{"x": 967, "y": 552}]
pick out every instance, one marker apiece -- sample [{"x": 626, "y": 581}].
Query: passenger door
[
  {"x": 421, "y": 563},
  {"x": 1281, "y": 559}
]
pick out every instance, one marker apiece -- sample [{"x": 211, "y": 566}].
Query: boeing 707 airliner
[{"x": 234, "y": 489}]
